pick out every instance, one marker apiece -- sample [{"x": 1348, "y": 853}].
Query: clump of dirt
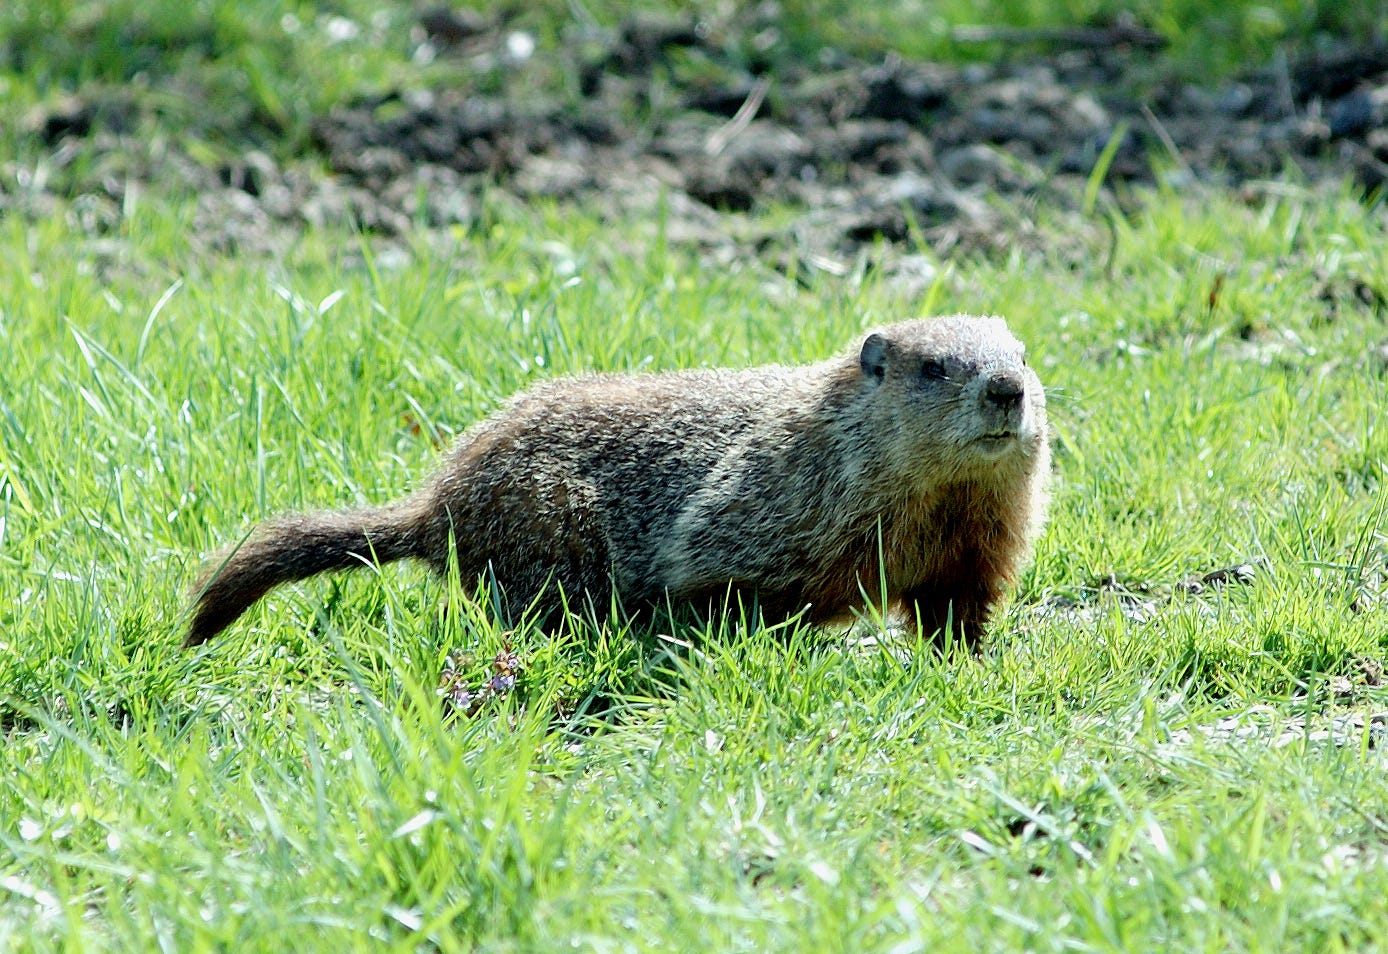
[{"x": 668, "y": 111}]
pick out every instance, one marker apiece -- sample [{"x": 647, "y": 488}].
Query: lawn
[{"x": 1173, "y": 741}]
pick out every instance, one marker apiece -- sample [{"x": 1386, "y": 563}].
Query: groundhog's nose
[{"x": 1004, "y": 391}]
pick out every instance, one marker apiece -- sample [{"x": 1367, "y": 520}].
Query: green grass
[
  {"x": 1126, "y": 768},
  {"x": 1108, "y": 776}
]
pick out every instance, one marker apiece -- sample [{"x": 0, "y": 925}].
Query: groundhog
[{"x": 908, "y": 475}]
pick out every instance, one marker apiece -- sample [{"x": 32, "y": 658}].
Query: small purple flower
[
  {"x": 461, "y": 697},
  {"x": 506, "y": 661},
  {"x": 454, "y": 683}
]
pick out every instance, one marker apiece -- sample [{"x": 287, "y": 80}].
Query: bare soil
[{"x": 862, "y": 152}]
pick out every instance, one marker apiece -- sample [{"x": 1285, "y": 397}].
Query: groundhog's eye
[{"x": 933, "y": 370}]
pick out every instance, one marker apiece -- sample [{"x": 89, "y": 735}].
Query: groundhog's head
[{"x": 959, "y": 388}]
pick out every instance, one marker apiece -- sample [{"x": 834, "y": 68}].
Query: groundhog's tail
[{"x": 290, "y": 549}]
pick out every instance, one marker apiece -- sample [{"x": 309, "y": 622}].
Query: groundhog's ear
[{"x": 873, "y": 358}]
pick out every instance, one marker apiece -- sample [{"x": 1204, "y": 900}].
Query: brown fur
[{"x": 782, "y": 485}]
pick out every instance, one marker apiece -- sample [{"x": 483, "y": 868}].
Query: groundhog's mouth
[
  {"x": 996, "y": 438},
  {"x": 996, "y": 444}
]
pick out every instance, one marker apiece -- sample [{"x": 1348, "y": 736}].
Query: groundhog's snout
[
  {"x": 1001, "y": 408},
  {"x": 1005, "y": 392}
]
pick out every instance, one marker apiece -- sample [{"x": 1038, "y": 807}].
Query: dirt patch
[{"x": 661, "y": 113}]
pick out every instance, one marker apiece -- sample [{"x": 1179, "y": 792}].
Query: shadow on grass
[
  {"x": 420, "y": 656},
  {"x": 595, "y": 671}
]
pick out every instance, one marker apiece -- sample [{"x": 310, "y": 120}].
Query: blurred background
[{"x": 811, "y": 128}]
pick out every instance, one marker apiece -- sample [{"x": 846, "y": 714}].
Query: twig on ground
[{"x": 725, "y": 134}]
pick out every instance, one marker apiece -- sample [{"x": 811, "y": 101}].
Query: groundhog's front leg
[{"x": 960, "y": 614}]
